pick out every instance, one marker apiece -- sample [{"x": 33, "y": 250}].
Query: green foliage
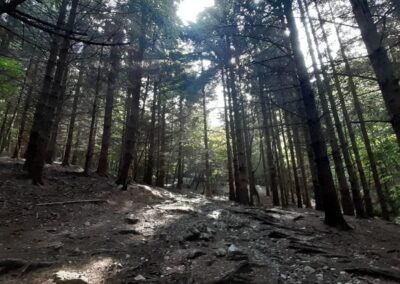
[{"x": 10, "y": 71}]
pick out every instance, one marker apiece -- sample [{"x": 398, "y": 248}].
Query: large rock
[{"x": 66, "y": 277}]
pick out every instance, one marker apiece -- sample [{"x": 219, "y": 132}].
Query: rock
[
  {"x": 131, "y": 219},
  {"x": 195, "y": 254},
  {"x": 234, "y": 253},
  {"x": 309, "y": 269},
  {"x": 66, "y": 277},
  {"x": 221, "y": 252},
  {"x": 205, "y": 237},
  {"x": 193, "y": 234},
  {"x": 87, "y": 224},
  {"x": 139, "y": 278},
  {"x": 320, "y": 277},
  {"x": 128, "y": 232}
]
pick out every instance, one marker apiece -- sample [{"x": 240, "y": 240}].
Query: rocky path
[{"x": 83, "y": 230}]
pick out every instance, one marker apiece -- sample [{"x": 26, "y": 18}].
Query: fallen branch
[
  {"x": 72, "y": 202},
  {"x": 388, "y": 274},
  {"x": 7, "y": 265}
]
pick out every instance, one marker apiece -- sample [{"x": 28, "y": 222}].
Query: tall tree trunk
[
  {"x": 45, "y": 109},
  {"x": 102, "y": 168},
  {"x": 333, "y": 214},
  {"x": 135, "y": 74},
  {"x": 27, "y": 104},
  {"x": 160, "y": 180},
  {"x": 52, "y": 147},
  {"x": 7, "y": 132},
  {"x": 231, "y": 180},
  {"x": 234, "y": 139},
  {"x": 384, "y": 71},
  {"x": 93, "y": 121},
  {"x": 289, "y": 183},
  {"x": 207, "y": 171},
  {"x": 294, "y": 163},
  {"x": 325, "y": 91},
  {"x": 268, "y": 143},
  {"x": 4, "y": 122},
  {"x": 148, "y": 176},
  {"x": 354, "y": 184},
  {"x": 241, "y": 189},
  {"x": 71, "y": 127},
  {"x": 364, "y": 132},
  {"x": 181, "y": 165}
]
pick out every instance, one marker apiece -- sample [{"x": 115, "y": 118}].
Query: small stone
[
  {"x": 309, "y": 269},
  {"x": 128, "y": 232},
  {"x": 195, "y": 254},
  {"x": 221, "y": 252},
  {"x": 234, "y": 253},
  {"x": 342, "y": 272},
  {"x": 66, "y": 277},
  {"x": 139, "y": 278},
  {"x": 320, "y": 277},
  {"x": 131, "y": 219},
  {"x": 87, "y": 224},
  {"x": 283, "y": 276}
]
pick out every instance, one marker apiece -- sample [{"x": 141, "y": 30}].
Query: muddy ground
[{"x": 152, "y": 235}]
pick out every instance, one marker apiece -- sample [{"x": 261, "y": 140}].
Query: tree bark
[
  {"x": 27, "y": 104},
  {"x": 135, "y": 74},
  {"x": 52, "y": 147},
  {"x": 71, "y": 127},
  {"x": 207, "y": 171},
  {"x": 325, "y": 92},
  {"x": 93, "y": 121},
  {"x": 333, "y": 214},
  {"x": 384, "y": 71},
  {"x": 45, "y": 109},
  {"x": 231, "y": 181},
  {"x": 268, "y": 143},
  {"x": 354, "y": 184},
  {"x": 102, "y": 168},
  {"x": 148, "y": 176}
]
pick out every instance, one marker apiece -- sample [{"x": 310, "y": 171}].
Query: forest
[{"x": 199, "y": 141}]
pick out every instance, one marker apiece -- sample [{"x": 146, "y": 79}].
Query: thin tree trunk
[
  {"x": 231, "y": 180},
  {"x": 294, "y": 163},
  {"x": 4, "y": 122},
  {"x": 268, "y": 143},
  {"x": 27, "y": 104},
  {"x": 207, "y": 171},
  {"x": 148, "y": 176},
  {"x": 93, "y": 121},
  {"x": 71, "y": 127},
  {"x": 51, "y": 148},
  {"x": 241, "y": 189},
  {"x": 234, "y": 140},
  {"x": 180, "y": 165},
  {"x": 333, "y": 214},
  {"x": 160, "y": 180},
  {"x": 102, "y": 168}
]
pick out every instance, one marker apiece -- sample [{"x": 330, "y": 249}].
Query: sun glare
[{"x": 189, "y": 9}]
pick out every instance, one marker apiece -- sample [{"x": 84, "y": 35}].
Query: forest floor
[{"x": 154, "y": 235}]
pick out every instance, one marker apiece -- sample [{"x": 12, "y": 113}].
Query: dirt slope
[{"x": 151, "y": 235}]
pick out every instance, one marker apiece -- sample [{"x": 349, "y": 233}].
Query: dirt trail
[{"x": 151, "y": 235}]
